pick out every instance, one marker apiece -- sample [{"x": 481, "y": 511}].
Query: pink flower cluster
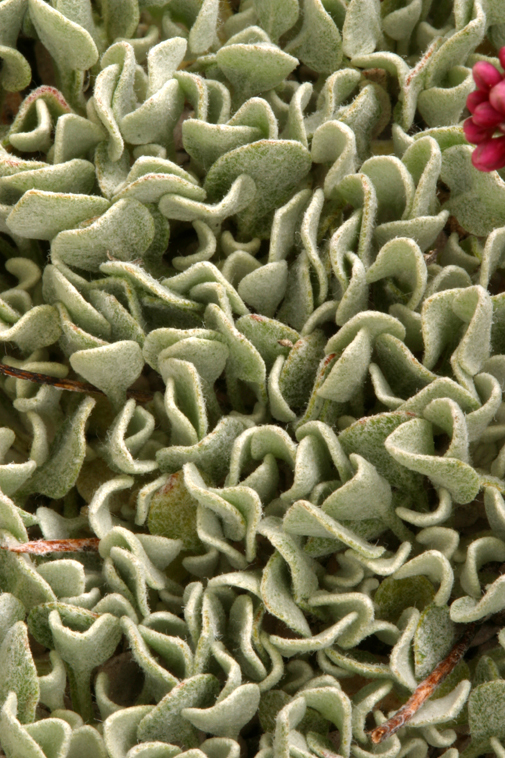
[{"x": 487, "y": 106}]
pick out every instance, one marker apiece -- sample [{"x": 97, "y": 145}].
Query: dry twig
[
  {"x": 43, "y": 547},
  {"x": 72, "y": 385},
  {"x": 424, "y": 690}
]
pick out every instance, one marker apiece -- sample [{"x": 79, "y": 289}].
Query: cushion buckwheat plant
[{"x": 252, "y": 315}]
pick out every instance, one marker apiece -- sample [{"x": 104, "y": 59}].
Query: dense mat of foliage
[{"x": 265, "y": 218}]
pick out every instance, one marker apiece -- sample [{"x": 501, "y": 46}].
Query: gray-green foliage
[{"x": 263, "y": 215}]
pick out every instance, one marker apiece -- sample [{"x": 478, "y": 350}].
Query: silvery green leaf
[
  {"x": 277, "y": 597},
  {"x": 303, "y": 576},
  {"x": 41, "y": 215},
  {"x": 241, "y": 633},
  {"x": 254, "y": 68},
  {"x": 354, "y": 343},
  {"x": 304, "y": 518},
  {"x": 441, "y": 387},
  {"x": 211, "y": 454},
  {"x": 123, "y": 325},
  {"x": 131, "y": 429},
  {"x": 59, "y": 290},
  {"x": 295, "y": 126},
  {"x": 318, "y": 43},
  {"x": 12, "y": 610},
  {"x": 262, "y": 161},
  {"x": 52, "y": 732},
  {"x": 393, "y": 596},
  {"x": 433, "y": 639},
  {"x": 157, "y": 749},
  {"x": 86, "y": 740},
  {"x": 239, "y": 196},
  {"x": 122, "y": 538},
  {"x": 125, "y": 574},
  {"x": 364, "y": 701},
  {"x": 74, "y": 136},
  {"x": 75, "y": 176},
  {"x": 474, "y": 308},
  {"x": 334, "y": 142},
  {"x": 229, "y": 715},
  {"x": 16, "y": 72},
  {"x": 495, "y": 510},
  {"x": 399, "y": 23},
  {"x": 298, "y": 303},
  {"x": 456, "y": 49},
  {"x": 99, "y": 514},
  {"x": 412, "y": 446},
  {"x": 167, "y": 722},
  {"x": 112, "y": 368},
  {"x": 492, "y": 255},
  {"x": 266, "y": 335},
  {"x": 162, "y": 61},
  {"x": 363, "y": 115},
  {"x": 120, "y": 20},
  {"x": 203, "y": 32},
  {"x": 401, "y": 657},
  {"x": 401, "y": 369},
  {"x": 436, "y": 567},
  {"x": 414, "y": 274},
  {"x": 159, "y": 680},
  {"x": 11, "y": 518},
  {"x": 52, "y": 685},
  {"x": 65, "y": 578},
  {"x": 69, "y": 43},
  {"x": 466, "y": 609},
  {"x": 44, "y": 105},
  {"x": 264, "y": 288},
  {"x": 172, "y": 512},
  {"x": 37, "y": 328},
  {"x": 475, "y": 197},
  {"x": 73, "y": 338},
  {"x": 207, "y": 142},
  {"x": 207, "y": 247},
  {"x": 359, "y": 190},
  {"x": 484, "y": 706},
  {"x": 184, "y": 402},
  {"x": 438, "y": 516},
  {"x": 238, "y": 507},
  {"x": 175, "y": 652},
  {"x": 58, "y": 474},
  {"x": 393, "y": 184},
  {"x": 297, "y": 375},
  {"x": 154, "y": 120},
  {"x": 276, "y": 18},
  {"x": 285, "y": 221},
  {"x": 362, "y": 28},
  {"x": 200, "y": 274},
  {"x": 89, "y": 246},
  {"x": 442, "y": 106},
  {"x": 83, "y": 651},
  {"x": 18, "y": 672},
  {"x": 12, "y": 475},
  {"x": 340, "y": 663},
  {"x": 120, "y": 729}
]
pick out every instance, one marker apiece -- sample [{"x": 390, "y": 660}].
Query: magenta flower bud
[
  {"x": 475, "y": 133},
  {"x": 485, "y": 75},
  {"x": 490, "y": 155},
  {"x": 485, "y": 115},
  {"x": 501, "y": 56},
  {"x": 497, "y": 97},
  {"x": 475, "y": 98}
]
